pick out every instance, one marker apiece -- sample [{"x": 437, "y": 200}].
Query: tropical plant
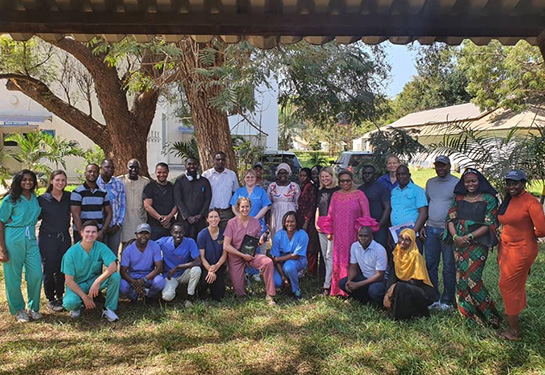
[
  {"x": 494, "y": 156},
  {"x": 5, "y": 173},
  {"x": 35, "y": 148},
  {"x": 183, "y": 149},
  {"x": 394, "y": 141}
]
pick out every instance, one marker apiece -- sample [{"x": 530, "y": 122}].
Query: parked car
[
  {"x": 271, "y": 159},
  {"x": 350, "y": 160}
]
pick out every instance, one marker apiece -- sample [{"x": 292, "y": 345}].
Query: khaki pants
[{"x": 190, "y": 277}]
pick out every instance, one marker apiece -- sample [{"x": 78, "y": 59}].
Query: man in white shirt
[
  {"x": 368, "y": 261},
  {"x": 224, "y": 182}
]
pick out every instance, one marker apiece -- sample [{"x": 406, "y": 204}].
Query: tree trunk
[{"x": 211, "y": 126}]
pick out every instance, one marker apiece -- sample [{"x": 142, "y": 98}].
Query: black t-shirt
[
  {"x": 55, "y": 215},
  {"x": 163, "y": 199},
  {"x": 376, "y": 194},
  {"x": 324, "y": 197}
]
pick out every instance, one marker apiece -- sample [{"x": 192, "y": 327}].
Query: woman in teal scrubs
[{"x": 19, "y": 213}]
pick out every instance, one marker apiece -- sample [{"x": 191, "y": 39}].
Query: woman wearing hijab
[
  {"x": 472, "y": 224},
  {"x": 410, "y": 290},
  {"x": 523, "y": 222},
  {"x": 284, "y": 195}
]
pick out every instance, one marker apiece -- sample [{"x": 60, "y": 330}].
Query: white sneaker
[
  {"x": 435, "y": 306},
  {"x": 35, "y": 315},
  {"x": 74, "y": 314},
  {"x": 445, "y": 307},
  {"x": 22, "y": 316},
  {"x": 188, "y": 303},
  {"x": 110, "y": 315},
  {"x": 256, "y": 278}
]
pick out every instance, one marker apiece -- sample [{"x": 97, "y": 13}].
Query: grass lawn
[{"x": 315, "y": 336}]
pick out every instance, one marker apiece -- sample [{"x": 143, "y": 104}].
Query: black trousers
[
  {"x": 217, "y": 288},
  {"x": 52, "y": 248},
  {"x": 373, "y": 293}
]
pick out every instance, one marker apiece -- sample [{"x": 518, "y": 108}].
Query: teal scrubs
[
  {"x": 20, "y": 235},
  {"x": 85, "y": 268}
]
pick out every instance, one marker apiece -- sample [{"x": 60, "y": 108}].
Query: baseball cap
[
  {"x": 516, "y": 175},
  {"x": 442, "y": 159},
  {"x": 144, "y": 227}
]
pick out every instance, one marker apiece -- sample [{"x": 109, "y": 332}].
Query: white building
[{"x": 20, "y": 114}]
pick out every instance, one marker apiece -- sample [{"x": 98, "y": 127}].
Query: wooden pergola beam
[{"x": 417, "y": 25}]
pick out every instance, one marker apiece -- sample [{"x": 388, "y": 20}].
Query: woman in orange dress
[{"x": 523, "y": 222}]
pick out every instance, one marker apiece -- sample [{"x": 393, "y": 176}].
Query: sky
[{"x": 403, "y": 69}]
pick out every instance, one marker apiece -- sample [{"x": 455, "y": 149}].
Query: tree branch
[
  {"x": 108, "y": 87},
  {"x": 39, "y": 92}
]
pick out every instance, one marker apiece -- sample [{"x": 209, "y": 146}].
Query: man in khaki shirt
[{"x": 135, "y": 213}]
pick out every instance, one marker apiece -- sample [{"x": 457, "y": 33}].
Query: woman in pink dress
[{"x": 348, "y": 211}]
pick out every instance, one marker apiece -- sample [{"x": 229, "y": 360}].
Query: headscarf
[
  {"x": 285, "y": 167},
  {"x": 484, "y": 185},
  {"x": 410, "y": 264}
]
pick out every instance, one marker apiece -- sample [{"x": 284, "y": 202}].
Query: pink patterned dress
[
  {"x": 346, "y": 211},
  {"x": 284, "y": 199}
]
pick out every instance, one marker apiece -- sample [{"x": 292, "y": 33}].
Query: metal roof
[{"x": 267, "y": 23}]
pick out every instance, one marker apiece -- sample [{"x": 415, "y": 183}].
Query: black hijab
[{"x": 484, "y": 185}]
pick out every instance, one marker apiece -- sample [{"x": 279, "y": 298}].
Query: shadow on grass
[{"x": 317, "y": 336}]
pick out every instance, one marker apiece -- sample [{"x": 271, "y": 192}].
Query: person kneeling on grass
[
  {"x": 368, "y": 261},
  {"x": 82, "y": 266},
  {"x": 181, "y": 262},
  {"x": 141, "y": 266},
  {"x": 289, "y": 253}
]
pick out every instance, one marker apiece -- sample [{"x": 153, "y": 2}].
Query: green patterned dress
[{"x": 474, "y": 301}]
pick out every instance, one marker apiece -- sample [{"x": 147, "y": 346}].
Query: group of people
[{"x": 196, "y": 230}]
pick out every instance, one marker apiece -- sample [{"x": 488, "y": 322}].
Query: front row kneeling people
[
  {"x": 83, "y": 266},
  {"x": 142, "y": 266}
]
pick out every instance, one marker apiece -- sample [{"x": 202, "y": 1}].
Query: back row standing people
[
  {"x": 284, "y": 195},
  {"x": 134, "y": 210},
  {"x": 192, "y": 195},
  {"x": 224, "y": 183},
  {"x": 18, "y": 248},
  {"x": 54, "y": 239},
  {"x": 116, "y": 195},
  {"x": 159, "y": 203},
  {"x": 440, "y": 193},
  {"x": 89, "y": 202}
]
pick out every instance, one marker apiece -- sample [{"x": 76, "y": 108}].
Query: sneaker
[
  {"x": 74, "y": 314},
  {"x": 146, "y": 292},
  {"x": 298, "y": 295},
  {"x": 446, "y": 307},
  {"x": 110, "y": 315},
  {"x": 435, "y": 306},
  {"x": 270, "y": 301},
  {"x": 188, "y": 303},
  {"x": 55, "y": 306},
  {"x": 35, "y": 315},
  {"x": 22, "y": 316},
  {"x": 256, "y": 278}
]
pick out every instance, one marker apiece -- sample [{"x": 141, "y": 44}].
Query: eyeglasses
[{"x": 344, "y": 181}]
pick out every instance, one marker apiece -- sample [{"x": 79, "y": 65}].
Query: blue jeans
[{"x": 433, "y": 250}]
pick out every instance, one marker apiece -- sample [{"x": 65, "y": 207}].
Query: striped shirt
[
  {"x": 117, "y": 197},
  {"x": 223, "y": 184},
  {"x": 91, "y": 201}
]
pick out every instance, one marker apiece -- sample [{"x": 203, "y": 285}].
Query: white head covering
[{"x": 285, "y": 167}]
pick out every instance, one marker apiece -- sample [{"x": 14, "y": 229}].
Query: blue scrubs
[
  {"x": 282, "y": 246},
  {"x": 19, "y": 220}
]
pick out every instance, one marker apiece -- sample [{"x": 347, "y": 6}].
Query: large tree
[{"x": 126, "y": 79}]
